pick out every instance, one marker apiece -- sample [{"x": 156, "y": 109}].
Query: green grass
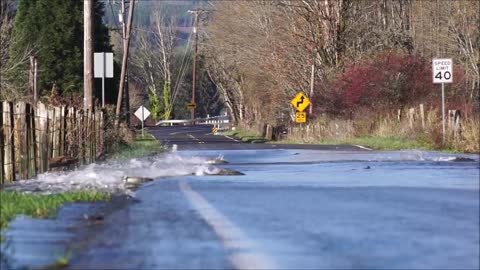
[
  {"x": 46, "y": 206},
  {"x": 384, "y": 143},
  {"x": 140, "y": 146},
  {"x": 245, "y": 136},
  {"x": 378, "y": 143},
  {"x": 41, "y": 206}
]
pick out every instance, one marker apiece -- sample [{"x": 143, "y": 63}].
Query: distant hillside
[{"x": 144, "y": 9}]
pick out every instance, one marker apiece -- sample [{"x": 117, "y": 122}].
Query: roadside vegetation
[
  {"x": 389, "y": 134},
  {"x": 41, "y": 206},
  {"x": 371, "y": 62},
  {"x": 245, "y": 136},
  {"x": 137, "y": 146},
  {"x": 381, "y": 134},
  {"x": 45, "y": 206},
  {"x": 377, "y": 143}
]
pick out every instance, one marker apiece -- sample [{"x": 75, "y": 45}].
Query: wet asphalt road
[
  {"x": 200, "y": 137},
  {"x": 295, "y": 207}
]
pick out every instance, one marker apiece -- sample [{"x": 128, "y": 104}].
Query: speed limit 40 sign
[{"x": 442, "y": 70}]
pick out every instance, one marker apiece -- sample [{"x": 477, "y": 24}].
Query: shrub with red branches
[{"x": 390, "y": 79}]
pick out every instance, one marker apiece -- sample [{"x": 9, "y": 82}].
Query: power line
[
  {"x": 181, "y": 73},
  {"x": 117, "y": 27}
]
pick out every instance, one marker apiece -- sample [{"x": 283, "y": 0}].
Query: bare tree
[
  {"x": 153, "y": 60},
  {"x": 464, "y": 33},
  {"x": 164, "y": 38}
]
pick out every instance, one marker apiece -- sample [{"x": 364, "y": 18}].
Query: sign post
[
  {"x": 103, "y": 68},
  {"x": 142, "y": 113},
  {"x": 442, "y": 72},
  {"x": 300, "y": 102}
]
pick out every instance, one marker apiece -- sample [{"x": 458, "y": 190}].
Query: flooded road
[
  {"x": 293, "y": 208},
  {"x": 302, "y": 209}
]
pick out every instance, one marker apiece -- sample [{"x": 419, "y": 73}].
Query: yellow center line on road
[{"x": 241, "y": 248}]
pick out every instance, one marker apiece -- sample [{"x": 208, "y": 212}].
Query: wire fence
[{"x": 35, "y": 138}]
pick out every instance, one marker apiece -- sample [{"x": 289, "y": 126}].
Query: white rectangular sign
[
  {"x": 142, "y": 113},
  {"x": 442, "y": 70},
  {"x": 103, "y": 65}
]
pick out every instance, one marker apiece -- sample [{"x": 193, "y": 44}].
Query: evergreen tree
[{"x": 54, "y": 30}]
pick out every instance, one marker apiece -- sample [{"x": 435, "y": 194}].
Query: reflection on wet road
[
  {"x": 329, "y": 213},
  {"x": 293, "y": 209}
]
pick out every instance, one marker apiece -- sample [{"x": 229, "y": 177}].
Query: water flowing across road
[{"x": 292, "y": 208}]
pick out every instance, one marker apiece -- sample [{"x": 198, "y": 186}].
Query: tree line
[
  {"x": 368, "y": 55},
  {"x": 52, "y": 31},
  {"x": 253, "y": 56}
]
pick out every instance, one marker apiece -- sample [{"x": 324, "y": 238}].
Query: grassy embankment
[
  {"x": 377, "y": 143},
  {"x": 46, "y": 206},
  {"x": 245, "y": 136},
  {"x": 386, "y": 134},
  {"x": 140, "y": 146},
  {"x": 380, "y": 143},
  {"x": 41, "y": 206}
]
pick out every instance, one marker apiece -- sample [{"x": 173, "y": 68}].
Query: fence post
[
  {"x": 55, "y": 131},
  {"x": 20, "y": 138},
  {"x": 30, "y": 141},
  {"x": 94, "y": 135},
  {"x": 62, "y": 131},
  {"x": 71, "y": 148},
  {"x": 422, "y": 115},
  {"x": 50, "y": 131},
  {"x": 411, "y": 116},
  {"x": 2, "y": 146},
  {"x": 88, "y": 136},
  {"x": 268, "y": 132},
  {"x": 81, "y": 133},
  {"x": 98, "y": 132},
  {"x": 451, "y": 116},
  {"x": 456, "y": 125},
  {"x": 42, "y": 137},
  {"x": 9, "y": 157}
]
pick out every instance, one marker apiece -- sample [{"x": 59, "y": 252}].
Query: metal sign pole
[
  {"x": 143, "y": 119},
  {"x": 443, "y": 113},
  {"x": 103, "y": 80}
]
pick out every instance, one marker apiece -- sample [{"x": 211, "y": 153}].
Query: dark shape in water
[
  {"x": 217, "y": 161},
  {"x": 97, "y": 217},
  {"x": 462, "y": 159},
  {"x": 133, "y": 182},
  {"x": 227, "y": 172}
]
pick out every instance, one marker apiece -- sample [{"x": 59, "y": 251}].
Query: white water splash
[{"x": 108, "y": 177}]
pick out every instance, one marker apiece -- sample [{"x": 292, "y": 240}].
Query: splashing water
[{"x": 108, "y": 176}]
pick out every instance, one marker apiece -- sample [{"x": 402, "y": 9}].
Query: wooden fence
[
  {"x": 405, "y": 120},
  {"x": 36, "y": 138}
]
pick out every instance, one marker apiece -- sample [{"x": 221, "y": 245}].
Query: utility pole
[
  {"x": 125, "y": 58},
  {"x": 194, "y": 60},
  {"x": 126, "y": 96},
  {"x": 88, "y": 53},
  {"x": 312, "y": 84}
]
